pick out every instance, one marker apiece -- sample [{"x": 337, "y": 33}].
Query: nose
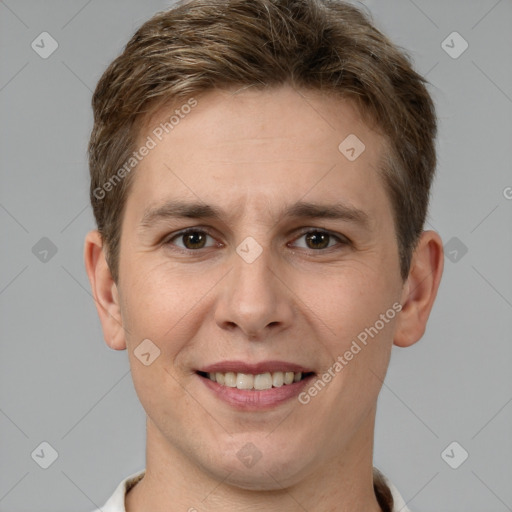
[{"x": 254, "y": 298}]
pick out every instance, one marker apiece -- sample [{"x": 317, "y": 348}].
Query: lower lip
[{"x": 253, "y": 400}]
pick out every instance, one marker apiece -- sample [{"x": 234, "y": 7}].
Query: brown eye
[
  {"x": 195, "y": 240},
  {"x": 192, "y": 239},
  {"x": 317, "y": 239}
]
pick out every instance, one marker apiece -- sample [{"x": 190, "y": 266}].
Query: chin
[
  {"x": 262, "y": 479},
  {"x": 267, "y": 469}
]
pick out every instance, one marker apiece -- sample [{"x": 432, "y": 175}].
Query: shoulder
[
  {"x": 399, "y": 504},
  {"x": 116, "y": 502}
]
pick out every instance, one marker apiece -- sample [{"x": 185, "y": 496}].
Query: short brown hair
[{"x": 326, "y": 45}]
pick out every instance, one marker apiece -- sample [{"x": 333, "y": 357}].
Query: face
[{"x": 290, "y": 256}]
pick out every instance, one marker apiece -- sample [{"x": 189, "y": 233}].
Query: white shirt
[{"x": 116, "y": 502}]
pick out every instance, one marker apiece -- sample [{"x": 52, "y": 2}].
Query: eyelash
[{"x": 342, "y": 240}]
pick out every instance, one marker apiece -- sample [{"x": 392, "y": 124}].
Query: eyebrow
[{"x": 195, "y": 210}]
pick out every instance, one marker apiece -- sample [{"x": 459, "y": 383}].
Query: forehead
[{"x": 260, "y": 144}]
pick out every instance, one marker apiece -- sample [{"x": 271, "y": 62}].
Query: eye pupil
[
  {"x": 317, "y": 237},
  {"x": 314, "y": 239},
  {"x": 196, "y": 239}
]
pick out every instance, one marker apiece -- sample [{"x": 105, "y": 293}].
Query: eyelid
[
  {"x": 313, "y": 229},
  {"x": 342, "y": 239},
  {"x": 192, "y": 229}
]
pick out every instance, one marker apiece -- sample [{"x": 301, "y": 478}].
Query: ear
[
  {"x": 420, "y": 289},
  {"x": 104, "y": 291}
]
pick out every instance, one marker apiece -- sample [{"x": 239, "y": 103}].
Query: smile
[
  {"x": 258, "y": 382},
  {"x": 255, "y": 387}
]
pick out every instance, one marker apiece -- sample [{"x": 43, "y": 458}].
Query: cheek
[
  {"x": 355, "y": 319},
  {"x": 162, "y": 301},
  {"x": 161, "y": 394},
  {"x": 348, "y": 300}
]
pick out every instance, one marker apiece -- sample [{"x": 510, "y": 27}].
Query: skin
[{"x": 250, "y": 153}]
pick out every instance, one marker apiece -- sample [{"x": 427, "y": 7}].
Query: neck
[{"x": 172, "y": 482}]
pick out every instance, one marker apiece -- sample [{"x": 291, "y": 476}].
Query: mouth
[
  {"x": 255, "y": 387},
  {"x": 255, "y": 382}
]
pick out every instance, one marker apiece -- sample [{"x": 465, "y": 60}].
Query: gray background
[{"x": 59, "y": 382}]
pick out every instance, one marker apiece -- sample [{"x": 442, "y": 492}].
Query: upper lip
[{"x": 254, "y": 368}]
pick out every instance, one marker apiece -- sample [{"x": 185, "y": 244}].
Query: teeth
[
  {"x": 255, "y": 382},
  {"x": 277, "y": 379},
  {"x": 263, "y": 381},
  {"x": 288, "y": 377},
  {"x": 230, "y": 379},
  {"x": 244, "y": 381}
]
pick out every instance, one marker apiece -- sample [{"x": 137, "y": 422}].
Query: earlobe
[
  {"x": 104, "y": 291},
  {"x": 420, "y": 289}
]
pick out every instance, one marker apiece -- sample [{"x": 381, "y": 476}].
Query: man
[{"x": 260, "y": 177}]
